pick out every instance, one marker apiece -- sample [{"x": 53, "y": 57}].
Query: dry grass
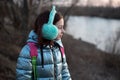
[{"x": 88, "y": 63}]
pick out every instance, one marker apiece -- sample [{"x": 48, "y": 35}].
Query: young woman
[{"x": 51, "y": 61}]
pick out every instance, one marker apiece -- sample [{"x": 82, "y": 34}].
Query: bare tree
[
  {"x": 116, "y": 42},
  {"x": 68, "y": 11},
  {"x": 18, "y": 17},
  {"x": 88, "y": 3},
  {"x": 110, "y": 3},
  {"x": 113, "y": 42}
]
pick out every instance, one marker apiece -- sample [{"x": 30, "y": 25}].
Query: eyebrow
[{"x": 59, "y": 25}]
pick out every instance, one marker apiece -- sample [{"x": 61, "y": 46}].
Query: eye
[{"x": 60, "y": 26}]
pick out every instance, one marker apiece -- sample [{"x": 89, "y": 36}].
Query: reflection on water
[{"x": 98, "y": 31}]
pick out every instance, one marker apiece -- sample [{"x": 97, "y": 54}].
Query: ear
[{"x": 49, "y": 31}]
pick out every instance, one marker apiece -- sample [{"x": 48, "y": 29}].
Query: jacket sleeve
[
  {"x": 24, "y": 66},
  {"x": 65, "y": 71}
]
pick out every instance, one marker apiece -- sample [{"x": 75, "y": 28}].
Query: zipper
[{"x": 54, "y": 64}]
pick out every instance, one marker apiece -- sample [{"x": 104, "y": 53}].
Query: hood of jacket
[{"x": 33, "y": 37}]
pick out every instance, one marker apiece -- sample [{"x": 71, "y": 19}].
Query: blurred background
[{"x": 92, "y": 38}]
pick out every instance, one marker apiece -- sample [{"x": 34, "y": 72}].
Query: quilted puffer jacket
[{"x": 54, "y": 68}]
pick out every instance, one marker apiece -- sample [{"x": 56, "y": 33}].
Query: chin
[{"x": 58, "y": 38}]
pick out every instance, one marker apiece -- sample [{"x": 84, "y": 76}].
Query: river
[{"x": 98, "y": 31}]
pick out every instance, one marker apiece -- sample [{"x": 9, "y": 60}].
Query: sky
[{"x": 114, "y": 3}]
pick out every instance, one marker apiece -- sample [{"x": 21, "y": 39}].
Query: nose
[{"x": 63, "y": 31}]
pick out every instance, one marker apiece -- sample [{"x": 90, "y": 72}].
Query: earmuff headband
[
  {"x": 50, "y": 31},
  {"x": 52, "y": 15}
]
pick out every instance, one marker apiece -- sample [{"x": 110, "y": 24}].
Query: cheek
[
  {"x": 59, "y": 32},
  {"x": 59, "y": 35}
]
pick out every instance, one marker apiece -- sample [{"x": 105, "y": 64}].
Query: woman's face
[{"x": 60, "y": 25}]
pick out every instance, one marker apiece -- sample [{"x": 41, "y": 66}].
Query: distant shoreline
[{"x": 105, "y": 12}]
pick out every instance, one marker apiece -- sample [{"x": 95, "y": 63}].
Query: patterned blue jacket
[{"x": 54, "y": 68}]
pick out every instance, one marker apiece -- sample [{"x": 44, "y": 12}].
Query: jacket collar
[{"x": 33, "y": 37}]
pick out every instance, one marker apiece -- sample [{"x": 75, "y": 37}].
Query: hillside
[
  {"x": 84, "y": 60},
  {"x": 88, "y": 63}
]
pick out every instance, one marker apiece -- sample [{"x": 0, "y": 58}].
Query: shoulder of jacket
[{"x": 25, "y": 51}]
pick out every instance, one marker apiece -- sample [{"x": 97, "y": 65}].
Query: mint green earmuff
[{"x": 50, "y": 31}]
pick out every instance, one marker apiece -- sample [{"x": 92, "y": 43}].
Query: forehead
[{"x": 60, "y": 22}]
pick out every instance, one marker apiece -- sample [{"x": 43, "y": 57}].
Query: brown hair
[{"x": 41, "y": 19}]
